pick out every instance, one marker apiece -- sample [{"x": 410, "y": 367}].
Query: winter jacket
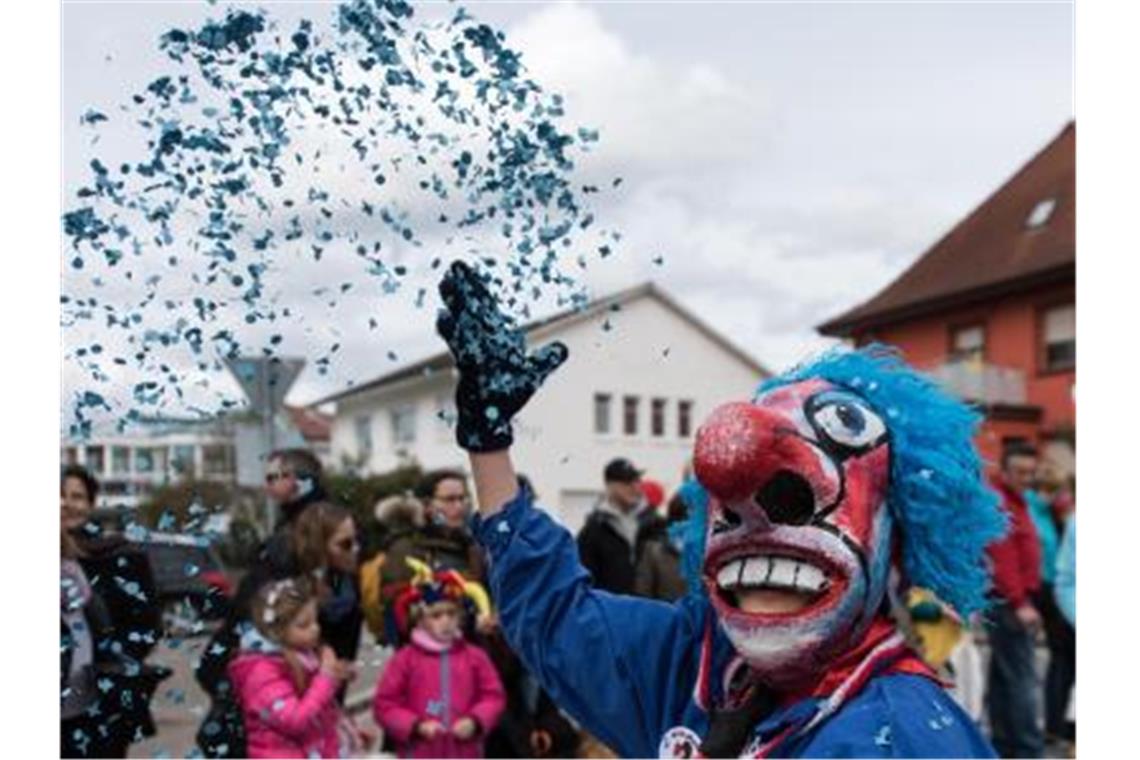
[
  {"x": 1048, "y": 537},
  {"x": 340, "y": 616},
  {"x": 1016, "y": 558},
  {"x": 659, "y": 571},
  {"x": 278, "y": 721},
  {"x": 607, "y": 553},
  {"x": 121, "y": 575},
  {"x": 1065, "y": 586},
  {"x": 419, "y": 684},
  {"x": 448, "y": 548},
  {"x": 643, "y": 675},
  {"x": 124, "y": 618},
  {"x": 385, "y": 576}
]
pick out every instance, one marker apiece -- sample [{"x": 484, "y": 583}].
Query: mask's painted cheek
[{"x": 865, "y": 494}]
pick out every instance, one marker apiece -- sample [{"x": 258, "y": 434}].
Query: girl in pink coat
[
  {"x": 439, "y": 696},
  {"x": 286, "y": 686}
]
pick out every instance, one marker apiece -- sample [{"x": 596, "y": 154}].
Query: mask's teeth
[
  {"x": 810, "y": 578},
  {"x": 765, "y": 571},
  {"x": 729, "y": 575},
  {"x": 756, "y": 571},
  {"x": 783, "y": 572}
]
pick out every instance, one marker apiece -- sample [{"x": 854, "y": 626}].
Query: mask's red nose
[{"x": 738, "y": 449}]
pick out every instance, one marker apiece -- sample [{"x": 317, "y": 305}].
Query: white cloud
[{"x": 652, "y": 113}]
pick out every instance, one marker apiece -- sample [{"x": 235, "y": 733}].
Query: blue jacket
[
  {"x": 626, "y": 667},
  {"x": 1066, "y": 584},
  {"x": 1047, "y": 537}
]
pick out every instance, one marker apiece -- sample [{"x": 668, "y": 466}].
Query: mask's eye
[{"x": 848, "y": 423}]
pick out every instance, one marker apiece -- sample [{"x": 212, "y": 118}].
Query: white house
[
  {"x": 227, "y": 449},
  {"x": 642, "y": 373}
]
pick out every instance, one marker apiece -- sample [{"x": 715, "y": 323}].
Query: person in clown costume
[{"x": 808, "y": 496}]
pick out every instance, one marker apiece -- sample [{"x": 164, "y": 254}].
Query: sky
[{"x": 783, "y": 161}]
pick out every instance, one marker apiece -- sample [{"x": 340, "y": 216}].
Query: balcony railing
[{"x": 982, "y": 383}]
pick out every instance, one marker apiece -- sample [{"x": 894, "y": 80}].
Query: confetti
[{"x": 236, "y": 169}]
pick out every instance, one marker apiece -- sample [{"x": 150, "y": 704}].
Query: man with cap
[{"x": 608, "y": 542}]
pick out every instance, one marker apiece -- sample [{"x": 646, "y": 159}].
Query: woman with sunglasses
[{"x": 326, "y": 547}]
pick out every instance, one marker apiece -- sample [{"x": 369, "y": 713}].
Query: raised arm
[{"x": 623, "y": 667}]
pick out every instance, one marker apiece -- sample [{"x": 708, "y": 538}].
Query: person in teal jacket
[
  {"x": 1065, "y": 586},
  {"x": 808, "y": 496}
]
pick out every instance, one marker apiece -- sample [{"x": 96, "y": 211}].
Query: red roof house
[{"x": 990, "y": 308}]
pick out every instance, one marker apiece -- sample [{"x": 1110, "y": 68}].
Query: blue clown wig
[{"x": 942, "y": 507}]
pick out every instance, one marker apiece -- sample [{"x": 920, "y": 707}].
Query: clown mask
[{"x": 799, "y": 534}]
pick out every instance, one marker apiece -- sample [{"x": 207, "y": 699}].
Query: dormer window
[{"x": 1041, "y": 213}]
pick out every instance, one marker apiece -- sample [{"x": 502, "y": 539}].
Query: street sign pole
[{"x": 265, "y": 383}]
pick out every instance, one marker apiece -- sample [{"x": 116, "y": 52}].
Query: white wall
[
  {"x": 555, "y": 442},
  {"x": 434, "y": 444}
]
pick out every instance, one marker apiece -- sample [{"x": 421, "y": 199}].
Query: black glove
[{"x": 496, "y": 377}]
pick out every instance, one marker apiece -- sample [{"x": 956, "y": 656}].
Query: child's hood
[{"x": 254, "y": 649}]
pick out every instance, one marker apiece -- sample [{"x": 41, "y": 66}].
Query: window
[
  {"x": 404, "y": 424},
  {"x": 629, "y": 414},
  {"x": 159, "y": 456},
  {"x": 362, "y": 430},
  {"x": 684, "y": 418},
  {"x": 120, "y": 460},
  {"x": 144, "y": 460},
  {"x": 182, "y": 459},
  {"x": 657, "y": 418},
  {"x": 70, "y": 455},
  {"x": 1059, "y": 332},
  {"x": 1041, "y": 213},
  {"x": 602, "y": 404},
  {"x": 93, "y": 459},
  {"x": 217, "y": 459},
  {"x": 968, "y": 344}
]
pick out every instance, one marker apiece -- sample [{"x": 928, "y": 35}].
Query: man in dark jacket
[
  {"x": 608, "y": 543},
  {"x": 1013, "y": 621}
]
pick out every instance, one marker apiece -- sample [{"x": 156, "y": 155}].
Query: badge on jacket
[{"x": 679, "y": 741}]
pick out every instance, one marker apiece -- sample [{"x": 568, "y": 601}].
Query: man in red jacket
[{"x": 1013, "y": 621}]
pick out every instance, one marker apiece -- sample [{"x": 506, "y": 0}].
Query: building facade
[
  {"x": 131, "y": 466},
  {"x": 230, "y": 449},
  {"x": 643, "y": 372},
  {"x": 990, "y": 309}
]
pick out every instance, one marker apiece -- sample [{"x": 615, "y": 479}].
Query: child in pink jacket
[
  {"x": 287, "y": 690},
  {"x": 439, "y": 696}
]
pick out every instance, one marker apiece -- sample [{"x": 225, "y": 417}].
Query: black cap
[{"x": 622, "y": 471}]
